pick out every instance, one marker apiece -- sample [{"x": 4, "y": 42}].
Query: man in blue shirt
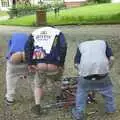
[
  {"x": 93, "y": 60},
  {"x": 15, "y": 66}
]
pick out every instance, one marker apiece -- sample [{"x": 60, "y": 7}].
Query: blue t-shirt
[{"x": 16, "y": 43}]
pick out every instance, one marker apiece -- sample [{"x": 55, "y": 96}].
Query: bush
[
  {"x": 99, "y": 1},
  {"x": 21, "y": 10},
  {"x": 103, "y": 1}
]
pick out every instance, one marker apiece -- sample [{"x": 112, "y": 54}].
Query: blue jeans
[
  {"x": 104, "y": 87},
  {"x": 81, "y": 98}
]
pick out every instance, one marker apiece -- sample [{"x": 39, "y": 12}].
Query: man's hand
[
  {"x": 76, "y": 66},
  {"x": 32, "y": 68},
  {"x": 61, "y": 69},
  {"x": 111, "y": 61}
]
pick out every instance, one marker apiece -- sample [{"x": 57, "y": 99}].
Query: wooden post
[{"x": 40, "y": 17}]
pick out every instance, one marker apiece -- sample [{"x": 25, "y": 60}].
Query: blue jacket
[
  {"x": 58, "y": 51},
  {"x": 16, "y": 43}
]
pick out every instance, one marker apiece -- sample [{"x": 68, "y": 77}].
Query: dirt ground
[{"x": 24, "y": 95}]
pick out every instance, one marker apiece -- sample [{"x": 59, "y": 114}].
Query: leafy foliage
[
  {"x": 100, "y": 1},
  {"x": 21, "y": 10}
]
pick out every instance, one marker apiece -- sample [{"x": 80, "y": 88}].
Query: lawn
[
  {"x": 2, "y": 13},
  {"x": 92, "y": 14}
]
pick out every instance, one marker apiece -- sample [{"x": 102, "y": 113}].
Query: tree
[{"x": 13, "y": 4}]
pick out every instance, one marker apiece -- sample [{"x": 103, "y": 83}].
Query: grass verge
[{"x": 92, "y": 14}]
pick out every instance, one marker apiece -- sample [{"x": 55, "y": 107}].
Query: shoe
[
  {"x": 91, "y": 99},
  {"x": 8, "y": 102},
  {"x": 36, "y": 109}
]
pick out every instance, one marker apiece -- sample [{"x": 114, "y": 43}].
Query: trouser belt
[{"x": 95, "y": 77}]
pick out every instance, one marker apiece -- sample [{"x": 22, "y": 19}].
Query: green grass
[
  {"x": 3, "y": 13},
  {"x": 93, "y": 14},
  {"x": 88, "y": 14},
  {"x": 20, "y": 21}
]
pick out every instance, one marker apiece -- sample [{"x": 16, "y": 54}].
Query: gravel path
[{"x": 74, "y": 34}]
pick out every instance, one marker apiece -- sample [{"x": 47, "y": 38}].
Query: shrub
[
  {"x": 99, "y": 1},
  {"x": 21, "y": 10}
]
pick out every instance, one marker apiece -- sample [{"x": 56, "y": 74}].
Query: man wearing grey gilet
[{"x": 93, "y": 60}]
